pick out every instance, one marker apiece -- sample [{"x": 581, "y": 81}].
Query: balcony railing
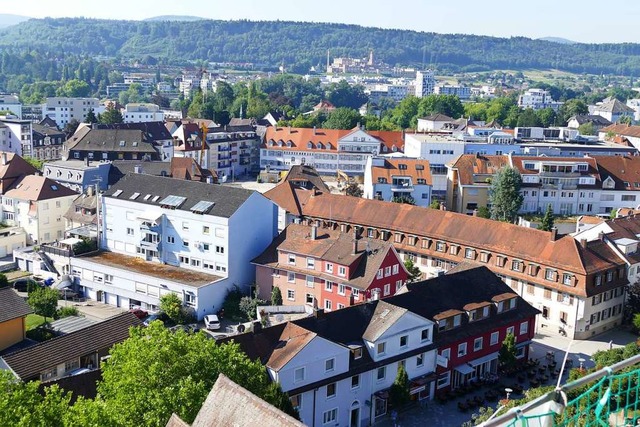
[
  {"x": 401, "y": 188},
  {"x": 561, "y": 174}
]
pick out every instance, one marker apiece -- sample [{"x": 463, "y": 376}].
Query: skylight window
[
  {"x": 117, "y": 193},
  {"x": 54, "y": 187},
  {"x": 202, "y": 207},
  {"x": 147, "y": 197},
  {"x": 122, "y": 143},
  {"x": 172, "y": 201},
  {"x": 155, "y": 198},
  {"x": 134, "y": 196}
]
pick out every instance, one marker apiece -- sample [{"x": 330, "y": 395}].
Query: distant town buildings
[
  {"x": 425, "y": 83},
  {"x": 537, "y": 99},
  {"x": 63, "y": 110}
]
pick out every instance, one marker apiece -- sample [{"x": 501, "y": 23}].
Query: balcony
[
  {"x": 560, "y": 174},
  {"x": 153, "y": 245},
  {"x": 224, "y": 156},
  {"x": 223, "y": 148},
  {"x": 402, "y": 187}
]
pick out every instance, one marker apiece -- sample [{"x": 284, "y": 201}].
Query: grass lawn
[{"x": 34, "y": 320}]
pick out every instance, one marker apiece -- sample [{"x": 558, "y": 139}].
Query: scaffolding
[{"x": 607, "y": 397}]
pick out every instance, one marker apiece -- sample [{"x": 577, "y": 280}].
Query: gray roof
[
  {"x": 117, "y": 140},
  {"x": 12, "y": 305},
  {"x": 228, "y": 404},
  {"x": 591, "y": 118},
  {"x": 155, "y": 131},
  {"x": 69, "y": 324},
  {"x": 613, "y": 106},
  {"x": 27, "y": 364},
  {"x": 73, "y": 164},
  {"x": 384, "y": 316},
  {"x": 226, "y": 200},
  {"x": 120, "y": 168}
]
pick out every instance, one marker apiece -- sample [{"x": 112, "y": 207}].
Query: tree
[
  {"x": 177, "y": 370},
  {"x": 546, "y": 116},
  {"x": 342, "y": 118},
  {"x": 528, "y": 118},
  {"x": 111, "y": 115},
  {"x": 44, "y": 301},
  {"x": 625, "y": 120},
  {"x": 408, "y": 200},
  {"x": 435, "y": 204},
  {"x": 483, "y": 212},
  {"x": 171, "y": 305},
  {"x": 71, "y": 127},
  {"x": 504, "y": 194},
  {"x": 354, "y": 190},
  {"x": 343, "y": 94},
  {"x": 38, "y": 164},
  {"x": 67, "y": 312},
  {"x": 449, "y": 105},
  {"x": 4, "y": 282},
  {"x": 74, "y": 89},
  {"x": 547, "y": 219},
  {"x": 21, "y": 403},
  {"x": 587, "y": 129},
  {"x": 399, "y": 391},
  {"x": 91, "y": 117},
  {"x": 633, "y": 300},
  {"x": 508, "y": 352},
  {"x": 414, "y": 272},
  {"x": 276, "y": 296},
  {"x": 636, "y": 321}
]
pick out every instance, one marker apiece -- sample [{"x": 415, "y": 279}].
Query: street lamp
[{"x": 508, "y": 391}]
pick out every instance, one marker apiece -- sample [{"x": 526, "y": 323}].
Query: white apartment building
[
  {"x": 164, "y": 235},
  {"x": 461, "y": 92},
  {"x": 141, "y": 113},
  {"x": 425, "y": 83},
  {"x": 38, "y": 204},
  {"x": 537, "y": 99},
  {"x": 439, "y": 150},
  {"x": 16, "y": 136},
  {"x": 63, "y": 110},
  {"x": 388, "y": 178},
  {"x": 12, "y": 104}
]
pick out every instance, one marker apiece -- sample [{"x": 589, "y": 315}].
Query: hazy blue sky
[{"x": 584, "y": 20}]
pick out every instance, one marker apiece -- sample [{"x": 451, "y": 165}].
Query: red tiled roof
[
  {"x": 622, "y": 129},
  {"x": 470, "y": 165},
  {"x": 415, "y": 168},
  {"x": 301, "y": 137}
]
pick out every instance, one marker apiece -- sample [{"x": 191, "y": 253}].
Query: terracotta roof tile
[
  {"x": 292, "y": 340},
  {"x": 415, "y": 168},
  {"x": 624, "y": 170},
  {"x": 35, "y": 188},
  {"x": 474, "y": 169}
]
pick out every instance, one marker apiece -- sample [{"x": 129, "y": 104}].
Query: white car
[{"x": 211, "y": 322}]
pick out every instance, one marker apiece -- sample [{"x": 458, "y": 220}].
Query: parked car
[
  {"x": 22, "y": 285},
  {"x": 156, "y": 316},
  {"x": 139, "y": 313},
  {"x": 187, "y": 328},
  {"x": 211, "y": 322},
  {"x": 68, "y": 294}
]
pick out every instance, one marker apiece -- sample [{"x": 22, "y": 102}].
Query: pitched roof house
[
  {"x": 13, "y": 312},
  {"x": 12, "y": 168}
]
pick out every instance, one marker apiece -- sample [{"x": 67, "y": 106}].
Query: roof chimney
[
  {"x": 319, "y": 313},
  {"x": 583, "y": 243},
  {"x": 314, "y": 232},
  {"x": 90, "y": 190},
  {"x": 209, "y": 179},
  {"x": 601, "y": 236},
  {"x": 355, "y": 244},
  {"x": 4, "y": 158},
  {"x": 137, "y": 169},
  {"x": 314, "y": 130},
  {"x": 554, "y": 234},
  {"x": 475, "y": 212}
]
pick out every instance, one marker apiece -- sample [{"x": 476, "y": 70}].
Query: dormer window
[
  {"x": 382, "y": 180},
  {"x": 357, "y": 353},
  {"x": 425, "y": 335}
]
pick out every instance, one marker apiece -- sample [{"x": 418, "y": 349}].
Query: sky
[{"x": 586, "y": 21}]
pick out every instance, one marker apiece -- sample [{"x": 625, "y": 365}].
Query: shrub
[{"x": 67, "y": 311}]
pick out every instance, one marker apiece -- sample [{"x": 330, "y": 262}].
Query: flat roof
[
  {"x": 75, "y": 164},
  {"x": 161, "y": 271}
]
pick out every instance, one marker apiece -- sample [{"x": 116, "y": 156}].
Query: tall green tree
[
  {"x": 449, "y": 105},
  {"x": 343, "y": 94},
  {"x": 342, "y": 118},
  {"x": 91, "y": 117},
  {"x": 504, "y": 194},
  {"x": 276, "y": 296},
  {"x": 171, "y": 305},
  {"x": 508, "y": 352},
  {"x": 111, "y": 115},
  {"x": 414, "y": 271},
  {"x": 155, "y": 373},
  {"x": 587, "y": 129},
  {"x": 528, "y": 118},
  {"x": 43, "y": 301},
  {"x": 399, "y": 391},
  {"x": 4, "y": 282},
  {"x": 547, "y": 220}
]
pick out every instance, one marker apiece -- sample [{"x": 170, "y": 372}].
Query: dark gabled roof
[
  {"x": 226, "y": 200},
  {"x": 29, "y": 363},
  {"x": 36, "y": 188},
  {"x": 590, "y": 118},
  {"x": 12, "y": 305},
  {"x": 113, "y": 140},
  {"x": 45, "y": 130},
  {"x": 154, "y": 131},
  {"x": 120, "y": 168},
  {"x": 300, "y": 175}
]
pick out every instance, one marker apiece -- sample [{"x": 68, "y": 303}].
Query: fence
[{"x": 611, "y": 399}]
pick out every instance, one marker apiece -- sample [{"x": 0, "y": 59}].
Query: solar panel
[
  {"x": 172, "y": 201},
  {"x": 202, "y": 206}
]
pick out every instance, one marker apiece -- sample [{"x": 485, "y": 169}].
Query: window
[
  {"x": 547, "y": 293},
  {"x": 387, "y": 289},
  {"x": 311, "y": 263},
  {"x": 387, "y": 271},
  {"x": 477, "y": 344},
  {"x": 291, "y": 277},
  {"x": 206, "y": 247},
  {"x": 296, "y": 401},
  {"x": 355, "y": 381},
  {"x": 516, "y": 265},
  {"x": 563, "y": 318},
  {"x": 330, "y": 416},
  {"x": 220, "y": 249},
  {"x": 298, "y": 375},
  {"x": 598, "y": 280},
  {"x": 329, "y": 364},
  {"x": 342, "y": 271},
  {"x": 440, "y": 247},
  {"x": 327, "y": 304},
  {"x": 566, "y": 279},
  {"x": 129, "y": 231},
  {"x": 462, "y": 349},
  {"x": 291, "y": 294},
  {"x": 292, "y": 259},
  {"x": 609, "y": 275},
  {"x": 328, "y": 285},
  {"x": 331, "y": 390},
  {"x": 524, "y": 328},
  {"x": 309, "y": 299},
  {"x": 382, "y": 371},
  {"x": 468, "y": 253},
  {"x": 185, "y": 226},
  {"x": 355, "y": 292},
  {"x": 443, "y": 380},
  {"x": 420, "y": 360},
  {"x": 404, "y": 340},
  {"x": 206, "y": 229},
  {"x": 495, "y": 336},
  {"x": 530, "y": 289},
  {"x": 185, "y": 243},
  {"x": 425, "y": 335},
  {"x": 342, "y": 289},
  {"x": 329, "y": 267},
  {"x": 309, "y": 281},
  {"x": 550, "y": 274},
  {"x": 382, "y": 347},
  {"x": 511, "y": 330}
]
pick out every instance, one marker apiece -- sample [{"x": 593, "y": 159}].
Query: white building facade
[
  {"x": 141, "y": 113},
  {"x": 425, "y": 83},
  {"x": 63, "y": 110}
]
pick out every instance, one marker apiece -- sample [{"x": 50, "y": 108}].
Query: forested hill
[{"x": 303, "y": 44}]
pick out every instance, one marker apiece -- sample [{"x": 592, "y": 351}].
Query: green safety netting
[{"x": 611, "y": 401}]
